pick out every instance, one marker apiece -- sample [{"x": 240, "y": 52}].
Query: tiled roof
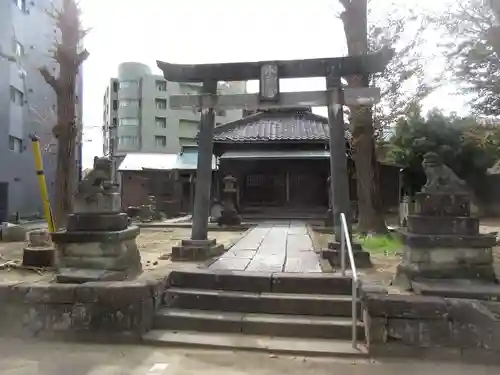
[{"x": 276, "y": 125}]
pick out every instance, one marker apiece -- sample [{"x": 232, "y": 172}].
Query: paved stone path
[
  {"x": 25, "y": 357},
  {"x": 272, "y": 247}
]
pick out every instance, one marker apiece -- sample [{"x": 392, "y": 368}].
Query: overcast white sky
[{"x": 199, "y": 31}]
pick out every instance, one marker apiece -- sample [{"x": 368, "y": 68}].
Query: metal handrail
[{"x": 345, "y": 239}]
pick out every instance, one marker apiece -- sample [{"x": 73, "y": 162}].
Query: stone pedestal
[
  {"x": 98, "y": 244},
  {"x": 97, "y": 255},
  {"x": 196, "y": 250},
  {"x": 40, "y": 251},
  {"x": 442, "y": 241},
  {"x": 102, "y": 202}
]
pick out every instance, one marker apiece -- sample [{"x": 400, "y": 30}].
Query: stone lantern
[
  {"x": 229, "y": 215},
  {"x": 229, "y": 184}
]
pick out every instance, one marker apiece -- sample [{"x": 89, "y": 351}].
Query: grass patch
[{"x": 387, "y": 245}]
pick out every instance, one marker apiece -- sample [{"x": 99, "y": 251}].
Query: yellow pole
[{"x": 37, "y": 153}]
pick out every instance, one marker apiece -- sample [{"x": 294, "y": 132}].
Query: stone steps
[
  {"x": 266, "y": 303},
  {"x": 297, "y": 313},
  {"x": 262, "y": 282},
  {"x": 299, "y": 326},
  {"x": 259, "y": 343}
]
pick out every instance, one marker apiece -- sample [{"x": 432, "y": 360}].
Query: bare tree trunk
[
  {"x": 369, "y": 205},
  {"x": 66, "y": 134},
  {"x": 371, "y": 219},
  {"x": 66, "y": 131}
]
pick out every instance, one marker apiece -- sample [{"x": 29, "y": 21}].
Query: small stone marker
[
  {"x": 39, "y": 252},
  {"x": 12, "y": 233}
]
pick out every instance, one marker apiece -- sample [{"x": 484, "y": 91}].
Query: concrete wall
[{"x": 33, "y": 29}]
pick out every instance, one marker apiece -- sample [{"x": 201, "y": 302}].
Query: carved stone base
[
  {"x": 97, "y": 222},
  {"x": 101, "y": 203},
  {"x": 474, "y": 263},
  {"x": 406, "y": 273},
  {"x": 196, "y": 250},
  {"x": 443, "y": 225},
  {"x": 442, "y": 204},
  {"x": 112, "y": 253}
]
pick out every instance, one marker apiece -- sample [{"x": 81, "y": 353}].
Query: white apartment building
[{"x": 137, "y": 117}]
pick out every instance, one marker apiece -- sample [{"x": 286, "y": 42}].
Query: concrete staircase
[{"x": 297, "y": 314}]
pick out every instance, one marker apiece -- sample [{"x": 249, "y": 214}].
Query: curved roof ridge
[{"x": 294, "y": 124}]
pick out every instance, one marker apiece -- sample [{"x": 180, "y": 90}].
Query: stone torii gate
[{"x": 269, "y": 73}]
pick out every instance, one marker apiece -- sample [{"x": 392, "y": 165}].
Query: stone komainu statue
[
  {"x": 96, "y": 181},
  {"x": 440, "y": 177}
]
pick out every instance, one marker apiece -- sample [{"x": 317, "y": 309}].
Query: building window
[
  {"x": 129, "y": 103},
  {"x": 18, "y": 49},
  {"x": 115, "y": 86},
  {"x": 21, "y": 4},
  {"x": 161, "y": 122},
  {"x": 161, "y": 85},
  {"x": 161, "y": 103},
  {"x": 129, "y": 84},
  {"x": 115, "y": 105},
  {"x": 16, "y": 96},
  {"x": 114, "y": 121},
  {"x": 160, "y": 141},
  {"x": 128, "y": 141},
  {"x": 15, "y": 144},
  {"x": 129, "y": 122}
]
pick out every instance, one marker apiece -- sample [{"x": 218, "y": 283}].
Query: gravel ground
[
  {"x": 21, "y": 357},
  {"x": 152, "y": 244}
]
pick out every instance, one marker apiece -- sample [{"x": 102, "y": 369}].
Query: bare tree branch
[
  {"x": 81, "y": 57},
  {"x": 50, "y": 79},
  {"x": 345, "y": 3}
]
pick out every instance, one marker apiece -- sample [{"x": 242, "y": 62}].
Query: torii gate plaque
[{"x": 269, "y": 73}]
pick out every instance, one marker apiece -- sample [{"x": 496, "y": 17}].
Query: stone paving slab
[
  {"x": 244, "y": 254},
  {"x": 253, "y": 239},
  {"x": 238, "y": 264},
  {"x": 302, "y": 264},
  {"x": 299, "y": 242},
  {"x": 297, "y": 229},
  {"x": 267, "y": 263},
  {"x": 278, "y": 246},
  {"x": 275, "y": 242}
]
